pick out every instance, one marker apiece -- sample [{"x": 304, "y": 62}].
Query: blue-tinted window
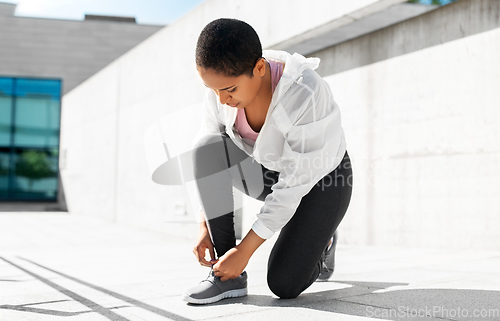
[
  {"x": 433, "y": 2},
  {"x": 6, "y": 87},
  {"x": 46, "y": 89},
  {"x": 36, "y": 122},
  {"x": 30, "y": 112},
  {"x": 4, "y": 174},
  {"x": 36, "y": 174},
  {"x": 5, "y": 120}
]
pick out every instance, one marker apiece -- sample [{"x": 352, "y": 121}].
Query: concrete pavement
[{"x": 57, "y": 266}]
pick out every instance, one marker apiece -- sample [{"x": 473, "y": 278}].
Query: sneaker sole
[{"x": 228, "y": 294}]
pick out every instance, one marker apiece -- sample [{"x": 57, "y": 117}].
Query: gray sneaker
[
  {"x": 213, "y": 289},
  {"x": 328, "y": 261}
]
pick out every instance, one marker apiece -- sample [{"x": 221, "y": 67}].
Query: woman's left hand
[{"x": 231, "y": 264}]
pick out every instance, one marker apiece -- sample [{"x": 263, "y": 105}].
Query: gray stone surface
[{"x": 57, "y": 266}]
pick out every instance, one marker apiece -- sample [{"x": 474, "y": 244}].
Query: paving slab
[{"x": 56, "y": 266}]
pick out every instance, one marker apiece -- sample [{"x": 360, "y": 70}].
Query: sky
[{"x": 151, "y": 12}]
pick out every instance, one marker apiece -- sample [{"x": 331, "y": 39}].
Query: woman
[{"x": 271, "y": 129}]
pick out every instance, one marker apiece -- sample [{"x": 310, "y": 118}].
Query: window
[
  {"x": 29, "y": 138},
  {"x": 433, "y": 2}
]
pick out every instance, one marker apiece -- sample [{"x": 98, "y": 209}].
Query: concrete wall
[
  {"x": 66, "y": 49},
  {"x": 420, "y": 103},
  {"x": 401, "y": 115}
]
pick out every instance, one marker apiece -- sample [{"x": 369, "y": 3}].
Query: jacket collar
[{"x": 294, "y": 67}]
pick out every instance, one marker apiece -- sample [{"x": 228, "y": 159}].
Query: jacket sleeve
[{"x": 311, "y": 150}]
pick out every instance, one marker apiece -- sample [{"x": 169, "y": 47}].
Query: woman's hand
[
  {"x": 203, "y": 244},
  {"x": 231, "y": 264},
  {"x": 234, "y": 261}
]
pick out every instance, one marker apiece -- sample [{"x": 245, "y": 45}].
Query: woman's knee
[
  {"x": 282, "y": 287},
  {"x": 205, "y": 141},
  {"x": 209, "y": 155},
  {"x": 284, "y": 281}
]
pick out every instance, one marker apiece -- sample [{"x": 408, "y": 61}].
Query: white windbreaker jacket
[{"x": 302, "y": 137}]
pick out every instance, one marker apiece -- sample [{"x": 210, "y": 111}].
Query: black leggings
[{"x": 294, "y": 263}]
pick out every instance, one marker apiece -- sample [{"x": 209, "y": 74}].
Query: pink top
[{"x": 241, "y": 123}]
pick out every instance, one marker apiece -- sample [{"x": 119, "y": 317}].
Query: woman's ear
[{"x": 260, "y": 68}]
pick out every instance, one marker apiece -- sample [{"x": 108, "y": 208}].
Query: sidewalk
[{"x": 56, "y": 266}]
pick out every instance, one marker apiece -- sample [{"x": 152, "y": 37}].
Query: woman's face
[{"x": 237, "y": 92}]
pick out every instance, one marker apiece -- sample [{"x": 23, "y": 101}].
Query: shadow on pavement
[{"x": 399, "y": 304}]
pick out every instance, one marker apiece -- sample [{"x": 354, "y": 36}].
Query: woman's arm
[
  {"x": 204, "y": 243},
  {"x": 250, "y": 243}
]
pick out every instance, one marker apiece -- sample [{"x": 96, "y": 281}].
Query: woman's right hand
[{"x": 204, "y": 242}]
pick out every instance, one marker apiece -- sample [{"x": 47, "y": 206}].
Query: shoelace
[{"x": 210, "y": 275}]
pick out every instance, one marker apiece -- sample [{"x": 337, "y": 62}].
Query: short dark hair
[{"x": 228, "y": 46}]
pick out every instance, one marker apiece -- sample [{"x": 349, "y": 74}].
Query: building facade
[{"x": 40, "y": 61}]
